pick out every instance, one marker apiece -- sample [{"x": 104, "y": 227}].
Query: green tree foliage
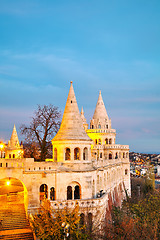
[
  {"x": 45, "y": 123},
  {"x": 48, "y": 224}
]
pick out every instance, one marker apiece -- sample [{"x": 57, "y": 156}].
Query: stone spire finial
[
  {"x": 14, "y": 142},
  {"x": 100, "y": 110},
  {"x": 71, "y": 125},
  {"x": 82, "y": 112}
]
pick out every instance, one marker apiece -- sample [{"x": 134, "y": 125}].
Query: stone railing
[
  {"x": 82, "y": 203},
  {"x": 112, "y": 146},
  {"x": 101, "y": 131}
]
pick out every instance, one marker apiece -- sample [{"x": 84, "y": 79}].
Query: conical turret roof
[
  {"x": 71, "y": 126},
  {"x": 100, "y": 110},
  {"x": 14, "y": 142},
  {"x": 83, "y": 117}
]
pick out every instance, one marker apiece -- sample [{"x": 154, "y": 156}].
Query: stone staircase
[{"x": 13, "y": 222}]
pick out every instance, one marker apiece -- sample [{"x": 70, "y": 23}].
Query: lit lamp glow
[
  {"x": 1, "y": 147},
  {"x": 8, "y": 183}
]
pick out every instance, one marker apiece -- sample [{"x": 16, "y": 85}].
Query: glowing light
[
  {"x": 8, "y": 183},
  {"x": 1, "y": 145}
]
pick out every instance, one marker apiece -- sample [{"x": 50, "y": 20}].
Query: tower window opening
[
  {"x": 99, "y": 141},
  {"x": 13, "y": 155},
  {"x": 110, "y": 141},
  {"x": 85, "y": 153},
  {"x": 106, "y": 141},
  {"x": 100, "y": 155},
  {"x": 68, "y": 154},
  {"x": 110, "y": 156},
  {"x": 71, "y": 101},
  {"x": 107, "y": 126},
  {"x": 0, "y": 164},
  {"x": 76, "y": 154},
  {"x": 9, "y": 155},
  {"x": 99, "y": 126}
]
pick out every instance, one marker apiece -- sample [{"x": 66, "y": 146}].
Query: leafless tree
[{"x": 44, "y": 125}]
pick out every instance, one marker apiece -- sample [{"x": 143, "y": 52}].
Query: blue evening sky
[{"x": 112, "y": 46}]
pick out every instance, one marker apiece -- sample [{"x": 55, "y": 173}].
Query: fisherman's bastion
[{"x": 88, "y": 167}]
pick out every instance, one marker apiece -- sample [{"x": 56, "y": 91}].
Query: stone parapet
[{"x": 101, "y": 131}]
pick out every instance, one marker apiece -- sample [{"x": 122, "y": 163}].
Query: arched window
[
  {"x": 107, "y": 126},
  {"x": 9, "y": 155},
  {"x": 106, "y": 141},
  {"x": 77, "y": 192},
  {"x": 110, "y": 141},
  {"x": 123, "y": 155},
  {"x": 100, "y": 155},
  {"x": 68, "y": 154},
  {"x": 116, "y": 155},
  {"x": 99, "y": 125},
  {"x": 85, "y": 153},
  {"x": 99, "y": 141},
  {"x": 92, "y": 126},
  {"x": 52, "y": 193},
  {"x": 69, "y": 193},
  {"x": 96, "y": 141},
  {"x": 43, "y": 192},
  {"x": 126, "y": 171},
  {"x": 76, "y": 154},
  {"x": 127, "y": 155},
  {"x": 13, "y": 155},
  {"x": 110, "y": 155},
  {"x": 55, "y": 154}
]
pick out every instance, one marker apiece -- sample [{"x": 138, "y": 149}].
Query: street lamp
[{"x": 66, "y": 229}]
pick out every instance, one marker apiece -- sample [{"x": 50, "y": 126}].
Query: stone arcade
[{"x": 88, "y": 168}]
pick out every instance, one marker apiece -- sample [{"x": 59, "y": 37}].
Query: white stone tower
[
  {"x": 14, "y": 149},
  {"x": 71, "y": 143}
]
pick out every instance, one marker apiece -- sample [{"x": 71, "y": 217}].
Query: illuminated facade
[
  {"x": 87, "y": 168},
  {"x": 14, "y": 149}
]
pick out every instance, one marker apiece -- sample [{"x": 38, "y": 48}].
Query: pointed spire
[
  {"x": 100, "y": 117},
  {"x": 85, "y": 125},
  {"x": 14, "y": 142},
  {"x": 100, "y": 111},
  {"x": 71, "y": 125},
  {"x": 82, "y": 112}
]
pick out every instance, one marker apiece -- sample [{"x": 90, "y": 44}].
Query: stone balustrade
[{"x": 101, "y": 131}]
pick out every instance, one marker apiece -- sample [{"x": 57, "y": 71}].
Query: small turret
[
  {"x": 85, "y": 125},
  {"x": 14, "y": 149},
  {"x": 100, "y": 118}
]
